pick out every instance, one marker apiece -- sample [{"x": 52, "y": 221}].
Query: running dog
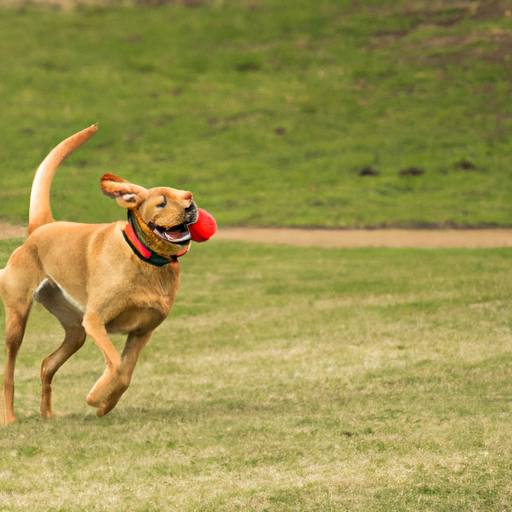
[{"x": 96, "y": 279}]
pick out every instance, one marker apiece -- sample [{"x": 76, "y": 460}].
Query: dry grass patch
[{"x": 303, "y": 379}]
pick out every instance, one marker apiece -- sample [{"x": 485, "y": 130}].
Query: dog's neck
[{"x": 148, "y": 246}]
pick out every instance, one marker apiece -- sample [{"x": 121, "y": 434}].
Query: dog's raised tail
[{"x": 40, "y": 212}]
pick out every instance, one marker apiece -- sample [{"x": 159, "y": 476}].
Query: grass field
[
  {"x": 267, "y": 110},
  {"x": 287, "y": 379}
]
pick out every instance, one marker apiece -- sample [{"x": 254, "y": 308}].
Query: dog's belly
[{"x": 55, "y": 299}]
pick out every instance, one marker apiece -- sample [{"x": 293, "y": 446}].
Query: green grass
[
  {"x": 287, "y": 379},
  {"x": 266, "y": 110}
]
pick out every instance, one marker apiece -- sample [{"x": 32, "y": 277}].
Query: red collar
[{"x": 134, "y": 237}]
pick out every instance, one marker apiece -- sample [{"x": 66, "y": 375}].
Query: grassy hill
[
  {"x": 285, "y": 378},
  {"x": 298, "y": 113}
]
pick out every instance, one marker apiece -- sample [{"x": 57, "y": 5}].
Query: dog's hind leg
[
  {"x": 15, "y": 322},
  {"x": 17, "y": 282},
  {"x": 54, "y": 299},
  {"x": 74, "y": 340}
]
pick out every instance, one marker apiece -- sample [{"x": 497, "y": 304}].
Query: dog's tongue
[{"x": 172, "y": 237}]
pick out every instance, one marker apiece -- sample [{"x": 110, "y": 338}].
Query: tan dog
[{"x": 95, "y": 278}]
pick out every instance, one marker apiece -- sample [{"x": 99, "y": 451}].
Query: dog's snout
[{"x": 187, "y": 199}]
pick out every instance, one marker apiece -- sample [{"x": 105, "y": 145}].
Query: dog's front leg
[
  {"x": 113, "y": 390},
  {"x": 100, "y": 394}
]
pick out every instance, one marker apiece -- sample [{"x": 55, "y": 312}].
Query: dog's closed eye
[{"x": 163, "y": 204}]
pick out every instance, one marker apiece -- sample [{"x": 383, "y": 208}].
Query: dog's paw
[
  {"x": 105, "y": 394},
  {"x": 100, "y": 413},
  {"x": 92, "y": 400},
  {"x": 105, "y": 408},
  {"x": 8, "y": 419},
  {"x": 46, "y": 414}
]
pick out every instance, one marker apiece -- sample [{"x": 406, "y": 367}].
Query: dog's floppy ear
[{"x": 125, "y": 193}]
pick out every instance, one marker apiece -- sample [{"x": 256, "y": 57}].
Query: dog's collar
[{"x": 148, "y": 246}]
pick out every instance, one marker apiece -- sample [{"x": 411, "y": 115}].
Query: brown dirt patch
[
  {"x": 12, "y": 231},
  {"x": 349, "y": 238},
  {"x": 470, "y": 238}
]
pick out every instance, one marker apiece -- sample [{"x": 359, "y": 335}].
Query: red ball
[{"x": 204, "y": 228}]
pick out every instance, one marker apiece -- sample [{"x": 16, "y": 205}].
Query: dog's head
[{"x": 166, "y": 211}]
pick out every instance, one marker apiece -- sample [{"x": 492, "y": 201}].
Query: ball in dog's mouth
[{"x": 176, "y": 235}]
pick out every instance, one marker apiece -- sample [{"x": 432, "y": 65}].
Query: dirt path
[
  {"x": 348, "y": 238},
  {"x": 372, "y": 238},
  {"x": 12, "y": 231}
]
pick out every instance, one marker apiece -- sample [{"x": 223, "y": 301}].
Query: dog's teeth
[{"x": 169, "y": 236}]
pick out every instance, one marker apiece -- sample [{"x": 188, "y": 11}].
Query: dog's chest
[
  {"x": 125, "y": 306},
  {"x": 142, "y": 311}
]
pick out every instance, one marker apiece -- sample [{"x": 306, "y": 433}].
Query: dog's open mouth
[{"x": 176, "y": 235}]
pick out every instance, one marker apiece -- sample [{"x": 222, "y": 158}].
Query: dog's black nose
[{"x": 191, "y": 213}]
